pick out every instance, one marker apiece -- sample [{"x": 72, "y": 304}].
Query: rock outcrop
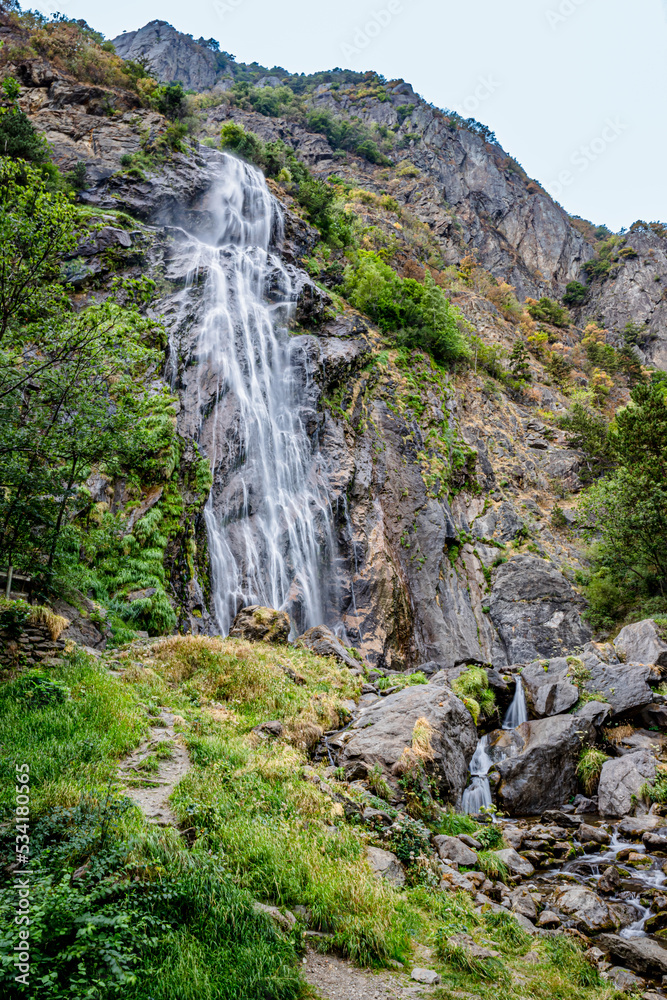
[
  {"x": 536, "y": 610},
  {"x": 621, "y": 781},
  {"x": 642, "y": 642},
  {"x": 257, "y": 624},
  {"x": 541, "y": 773},
  {"x": 382, "y": 733},
  {"x": 171, "y": 55}
]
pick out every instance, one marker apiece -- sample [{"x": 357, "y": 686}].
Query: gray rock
[
  {"x": 624, "y": 687},
  {"x": 644, "y": 955},
  {"x": 523, "y": 903},
  {"x": 382, "y": 732},
  {"x": 610, "y": 880},
  {"x": 621, "y": 779},
  {"x": 594, "y": 713},
  {"x": 541, "y": 773},
  {"x": 625, "y": 981},
  {"x": 386, "y": 865},
  {"x": 549, "y": 691},
  {"x": 452, "y": 849},
  {"x": 642, "y": 643},
  {"x": 257, "y": 624},
  {"x": 548, "y": 918},
  {"x": 536, "y": 610},
  {"x": 591, "y": 913},
  {"x": 285, "y": 920},
  {"x": 171, "y": 55},
  {"x": 593, "y": 835},
  {"x": 427, "y": 976},
  {"x": 323, "y": 642},
  {"x": 516, "y": 864}
]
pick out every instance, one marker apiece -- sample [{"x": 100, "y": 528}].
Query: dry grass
[
  {"x": 56, "y": 624},
  {"x": 617, "y": 733}
]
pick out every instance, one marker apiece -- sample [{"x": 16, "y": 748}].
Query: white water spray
[
  {"x": 268, "y": 517},
  {"x": 478, "y": 792},
  {"x": 517, "y": 713}
]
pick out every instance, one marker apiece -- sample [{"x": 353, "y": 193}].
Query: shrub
[
  {"x": 473, "y": 684},
  {"x": 547, "y": 311},
  {"x": 589, "y": 768},
  {"x": 575, "y": 293}
]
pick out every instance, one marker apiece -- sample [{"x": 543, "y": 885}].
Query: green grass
[
  {"x": 590, "y": 765},
  {"x": 472, "y": 686}
]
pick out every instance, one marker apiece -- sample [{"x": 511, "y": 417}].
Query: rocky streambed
[{"x": 563, "y": 862}]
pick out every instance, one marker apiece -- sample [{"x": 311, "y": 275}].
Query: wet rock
[
  {"x": 535, "y": 610},
  {"x": 593, "y": 835},
  {"x": 452, "y": 849},
  {"x": 258, "y": 624},
  {"x": 636, "y": 826},
  {"x": 624, "y": 980},
  {"x": 656, "y": 922},
  {"x": 621, "y": 779},
  {"x": 542, "y": 771},
  {"x": 582, "y": 804},
  {"x": 385, "y": 865},
  {"x": 427, "y": 976},
  {"x": 548, "y": 918},
  {"x": 513, "y": 836},
  {"x": 382, "y": 733},
  {"x": 655, "y": 842},
  {"x": 591, "y": 913},
  {"x": 642, "y": 642},
  {"x": 644, "y": 955},
  {"x": 549, "y": 691},
  {"x": 515, "y": 863}
]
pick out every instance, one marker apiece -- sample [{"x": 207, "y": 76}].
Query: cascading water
[
  {"x": 517, "y": 713},
  {"x": 478, "y": 792},
  {"x": 268, "y": 517}
]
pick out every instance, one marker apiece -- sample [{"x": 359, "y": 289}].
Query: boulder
[
  {"x": 541, "y": 773},
  {"x": 624, "y": 687},
  {"x": 323, "y": 642},
  {"x": 428, "y": 976},
  {"x": 515, "y": 863},
  {"x": 548, "y": 918},
  {"x": 621, "y": 779},
  {"x": 258, "y": 624},
  {"x": 644, "y": 955},
  {"x": 549, "y": 690},
  {"x": 642, "y": 643},
  {"x": 636, "y": 826},
  {"x": 625, "y": 981},
  {"x": 523, "y": 903},
  {"x": 589, "y": 911},
  {"x": 385, "y": 865},
  {"x": 383, "y": 731},
  {"x": 452, "y": 849},
  {"x": 535, "y": 610},
  {"x": 593, "y": 835}
]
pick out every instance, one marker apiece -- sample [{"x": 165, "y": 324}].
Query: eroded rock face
[
  {"x": 642, "y": 642},
  {"x": 172, "y": 56},
  {"x": 542, "y": 772},
  {"x": 257, "y": 624},
  {"x": 384, "y": 731},
  {"x": 536, "y": 611},
  {"x": 621, "y": 779}
]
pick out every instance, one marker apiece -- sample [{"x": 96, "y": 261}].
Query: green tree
[
  {"x": 19, "y": 138},
  {"x": 575, "y": 293},
  {"x": 518, "y": 362},
  {"x": 37, "y": 229},
  {"x": 588, "y": 430}
]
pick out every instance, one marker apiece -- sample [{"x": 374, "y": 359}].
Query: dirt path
[
  {"x": 336, "y": 979},
  {"x": 153, "y": 770}
]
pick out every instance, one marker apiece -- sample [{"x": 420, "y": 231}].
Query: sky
[{"x": 573, "y": 89}]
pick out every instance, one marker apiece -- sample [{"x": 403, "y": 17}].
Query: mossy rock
[{"x": 258, "y": 624}]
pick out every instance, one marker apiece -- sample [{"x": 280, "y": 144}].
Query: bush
[
  {"x": 418, "y": 313},
  {"x": 547, "y": 311},
  {"x": 19, "y": 138},
  {"x": 575, "y": 293},
  {"x": 589, "y": 768},
  {"x": 473, "y": 684}
]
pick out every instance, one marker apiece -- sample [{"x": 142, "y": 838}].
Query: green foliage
[
  {"x": 378, "y": 784},
  {"x": 568, "y": 956},
  {"x": 344, "y": 133},
  {"x": 19, "y": 138},
  {"x": 627, "y": 511},
  {"x": 492, "y": 866},
  {"x": 37, "y": 229},
  {"x": 451, "y": 824},
  {"x": 418, "y": 313},
  {"x": 656, "y": 791},
  {"x": 14, "y": 616},
  {"x": 490, "y": 837},
  {"x": 169, "y": 100},
  {"x": 575, "y": 293},
  {"x": 547, "y": 311},
  {"x": 35, "y": 690},
  {"x": 589, "y": 767},
  {"x": 606, "y": 256},
  {"x": 588, "y": 431},
  {"x": 473, "y": 684},
  {"x": 518, "y": 362}
]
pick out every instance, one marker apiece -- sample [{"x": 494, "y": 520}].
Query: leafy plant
[
  {"x": 590, "y": 765},
  {"x": 545, "y": 310}
]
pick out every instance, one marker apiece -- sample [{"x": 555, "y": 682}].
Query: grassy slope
[{"x": 169, "y": 917}]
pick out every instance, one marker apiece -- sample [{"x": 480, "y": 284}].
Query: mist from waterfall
[
  {"x": 517, "y": 713},
  {"x": 268, "y": 518}
]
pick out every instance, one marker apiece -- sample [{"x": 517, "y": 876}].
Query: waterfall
[
  {"x": 517, "y": 713},
  {"x": 268, "y": 516},
  {"x": 478, "y": 792}
]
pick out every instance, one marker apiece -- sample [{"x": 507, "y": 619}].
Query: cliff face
[{"x": 171, "y": 55}]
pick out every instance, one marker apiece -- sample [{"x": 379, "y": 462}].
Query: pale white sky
[{"x": 574, "y": 89}]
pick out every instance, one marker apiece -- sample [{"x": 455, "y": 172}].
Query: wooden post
[{"x": 10, "y": 573}]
